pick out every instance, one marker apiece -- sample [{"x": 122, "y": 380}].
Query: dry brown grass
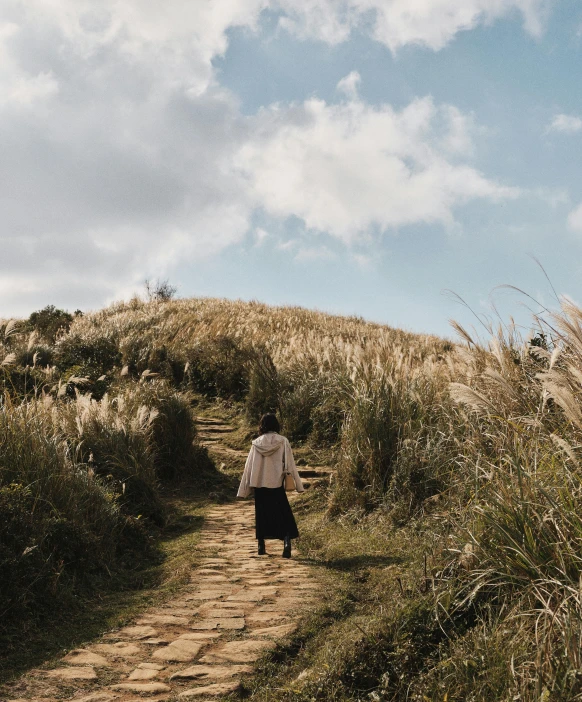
[{"x": 475, "y": 448}]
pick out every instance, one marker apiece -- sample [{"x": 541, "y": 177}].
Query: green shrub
[
  {"x": 90, "y": 358},
  {"x": 49, "y": 323},
  {"x": 35, "y": 356},
  {"x": 157, "y": 358},
  {"x": 23, "y": 382},
  {"x": 219, "y": 368}
]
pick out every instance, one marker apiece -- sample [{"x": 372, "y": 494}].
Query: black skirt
[{"x": 273, "y": 516}]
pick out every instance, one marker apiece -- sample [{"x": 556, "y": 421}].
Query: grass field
[{"x": 451, "y": 537}]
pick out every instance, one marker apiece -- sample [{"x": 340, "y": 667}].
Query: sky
[{"x": 378, "y": 158}]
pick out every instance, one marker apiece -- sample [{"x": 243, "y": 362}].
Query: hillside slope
[{"x": 451, "y": 532}]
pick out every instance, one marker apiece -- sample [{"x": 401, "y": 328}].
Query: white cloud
[
  {"x": 349, "y": 85},
  {"x": 347, "y": 168},
  {"x": 458, "y": 131},
  {"x": 261, "y": 235},
  {"x": 122, "y": 156},
  {"x": 575, "y": 219},
  {"x": 17, "y": 87},
  {"x": 568, "y": 124},
  {"x": 396, "y": 23},
  {"x": 169, "y": 36}
]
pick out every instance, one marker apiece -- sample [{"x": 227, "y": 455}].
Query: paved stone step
[
  {"x": 218, "y": 448},
  {"x": 212, "y": 421},
  {"x": 323, "y": 473},
  {"x": 216, "y": 429}
]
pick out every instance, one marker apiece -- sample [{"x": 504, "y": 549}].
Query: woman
[{"x": 269, "y": 461}]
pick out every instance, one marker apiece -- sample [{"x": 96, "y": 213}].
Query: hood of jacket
[{"x": 268, "y": 444}]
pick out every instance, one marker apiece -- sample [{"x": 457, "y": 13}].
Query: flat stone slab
[
  {"x": 98, "y": 697},
  {"x": 199, "y": 636},
  {"x": 179, "y": 651},
  {"x": 247, "y": 596},
  {"x": 142, "y": 688},
  {"x": 205, "y": 624},
  {"x": 207, "y": 571},
  {"x": 178, "y": 611},
  {"x": 275, "y": 631},
  {"x": 77, "y": 673},
  {"x": 220, "y": 623},
  {"x": 163, "y": 619},
  {"x": 209, "y": 690},
  {"x": 215, "y": 562},
  {"x": 202, "y": 672},
  {"x": 217, "y": 613},
  {"x": 262, "y": 617},
  {"x": 146, "y": 671},
  {"x": 210, "y": 594},
  {"x": 82, "y": 656},
  {"x": 233, "y": 623},
  {"x": 122, "y": 649},
  {"x": 222, "y": 604},
  {"x": 136, "y": 632},
  {"x": 213, "y": 578},
  {"x": 238, "y": 651}
]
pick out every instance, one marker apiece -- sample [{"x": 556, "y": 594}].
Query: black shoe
[
  {"x": 287, "y": 548},
  {"x": 262, "y": 549}
]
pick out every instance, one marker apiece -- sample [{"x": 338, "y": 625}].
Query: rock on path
[{"x": 200, "y": 645}]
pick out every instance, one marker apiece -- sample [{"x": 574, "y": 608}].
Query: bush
[
  {"x": 114, "y": 440},
  {"x": 49, "y": 323},
  {"x": 157, "y": 358},
  {"x": 159, "y": 290},
  {"x": 91, "y": 358},
  {"x": 23, "y": 383},
  {"x": 35, "y": 356},
  {"x": 296, "y": 405},
  {"x": 219, "y": 368},
  {"x": 59, "y": 525},
  {"x": 173, "y": 432}
]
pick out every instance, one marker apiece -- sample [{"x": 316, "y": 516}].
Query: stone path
[{"x": 200, "y": 645}]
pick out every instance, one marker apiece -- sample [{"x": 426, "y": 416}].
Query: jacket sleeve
[
  {"x": 290, "y": 467},
  {"x": 244, "y": 489}
]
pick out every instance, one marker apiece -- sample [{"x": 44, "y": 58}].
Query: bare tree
[{"x": 159, "y": 290}]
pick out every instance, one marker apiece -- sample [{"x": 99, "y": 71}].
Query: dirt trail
[{"x": 201, "y": 644}]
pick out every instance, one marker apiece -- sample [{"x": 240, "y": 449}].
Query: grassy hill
[{"x": 451, "y": 535}]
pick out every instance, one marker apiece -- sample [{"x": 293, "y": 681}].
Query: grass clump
[{"x": 60, "y": 524}]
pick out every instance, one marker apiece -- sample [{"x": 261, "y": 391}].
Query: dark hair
[{"x": 268, "y": 423}]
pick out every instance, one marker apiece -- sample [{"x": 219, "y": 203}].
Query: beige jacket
[{"x": 264, "y": 466}]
